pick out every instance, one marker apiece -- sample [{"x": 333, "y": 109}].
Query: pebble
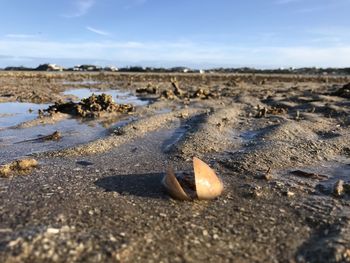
[
  {"x": 51, "y": 230},
  {"x": 267, "y": 176},
  {"x": 290, "y": 194},
  {"x": 338, "y": 189}
]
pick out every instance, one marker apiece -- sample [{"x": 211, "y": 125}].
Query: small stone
[
  {"x": 205, "y": 233},
  {"x": 267, "y": 176},
  {"x": 65, "y": 229},
  {"x": 290, "y": 194},
  {"x": 51, "y": 230},
  {"x": 15, "y": 242},
  {"x": 183, "y": 115},
  {"x": 257, "y": 193},
  {"x": 338, "y": 189}
]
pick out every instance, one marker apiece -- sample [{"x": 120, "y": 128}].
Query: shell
[
  {"x": 208, "y": 185},
  {"x": 173, "y": 186}
]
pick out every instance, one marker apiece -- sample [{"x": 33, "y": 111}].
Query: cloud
[
  {"x": 82, "y": 7},
  {"x": 327, "y": 6},
  {"x": 186, "y": 52},
  {"x": 97, "y": 31},
  {"x": 22, "y": 36},
  {"x": 331, "y": 35}
]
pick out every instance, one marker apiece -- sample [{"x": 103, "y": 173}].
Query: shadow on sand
[{"x": 142, "y": 185}]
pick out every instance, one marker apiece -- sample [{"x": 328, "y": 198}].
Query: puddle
[
  {"x": 329, "y": 173},
  {"x": 249, "y": 135},
  {"x": 334, "y": 170},
  {"x": 14, "y": 113},
  {"x": 120, "y": 97},
  {"x": 162, "y": 111},
  {"x": 16, "y": 143},
  {"x": 82, "y": 82}
]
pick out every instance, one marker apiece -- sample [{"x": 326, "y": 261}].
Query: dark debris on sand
[
  {"x": 343, "y": 92},
  {"x": 90, "y": 107},
  {"x": 177, "y": 93}
]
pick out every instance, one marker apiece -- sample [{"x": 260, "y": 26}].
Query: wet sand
[{"x": 281, "y": 145}]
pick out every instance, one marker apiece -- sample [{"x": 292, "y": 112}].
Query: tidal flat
[{"x": 280, "y": 144}]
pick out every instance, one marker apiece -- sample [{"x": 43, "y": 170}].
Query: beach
[{"x": 279, "y": 143}]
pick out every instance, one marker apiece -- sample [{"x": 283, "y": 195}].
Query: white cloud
[
  {"x": 82, "y": 7},
  {"x": 186, "y": 52},
  {"x": 22, "y": 36},
  {"x": 327, "y": 6},
  {"x": 98, "y": 31}
]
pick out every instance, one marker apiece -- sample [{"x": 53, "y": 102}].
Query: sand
[{"x": 281, "y": 145}]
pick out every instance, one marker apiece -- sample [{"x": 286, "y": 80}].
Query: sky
[{"x": 167, "y": 33}]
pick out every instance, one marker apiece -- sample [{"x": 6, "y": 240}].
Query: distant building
[
  {"x": 111, "y": 68},
  {"x": 86, "y": 67}
]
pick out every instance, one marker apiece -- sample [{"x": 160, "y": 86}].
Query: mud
[{"x": 279, "y": 143}]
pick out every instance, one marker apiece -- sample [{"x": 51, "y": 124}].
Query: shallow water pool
[
  {"x": 120, "y": 97},
  {"x": 14, "y": 113}
]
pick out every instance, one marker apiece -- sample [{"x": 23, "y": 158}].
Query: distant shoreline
[{"x": 313, "y": 71}]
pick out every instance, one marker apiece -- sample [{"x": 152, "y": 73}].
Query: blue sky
[{"x": 195, "y": 33}]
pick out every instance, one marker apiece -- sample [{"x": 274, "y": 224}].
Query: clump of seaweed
[
  {"x": 18, "y": 167},
  {"x": 90, "y": 107}
]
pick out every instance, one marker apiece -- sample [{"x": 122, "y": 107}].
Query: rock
[
  {"x": 290, "y": 194},
  {"x": 338, "y": 189}
]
